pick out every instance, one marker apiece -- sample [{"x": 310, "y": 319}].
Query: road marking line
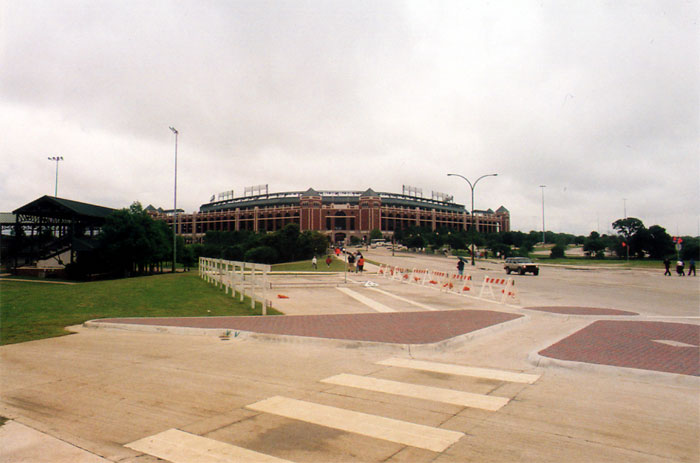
[
  {"x": 366, "y": 301},
  {"x": 404, "y": 299},
  {"x": 378, "y": 427},
  {"x": 464, "y": 399},
  {"x": 486, "y": 373},
  {"x": 670, "y": 342},
  {"x": 182, "y": 447}
]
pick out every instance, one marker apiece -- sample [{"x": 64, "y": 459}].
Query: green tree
[
  {"x": 594, "y": 244},
  {"x": 133, "y": 242},
  {"x": 262, "y": 255},
  {"x": 660, "y": 243},
  {"x": 626, "y": 229},
  {"x": 558, "y": 251},
  {"x": 691, "y": 248},
  {"x": 313, "y": 243},
  {"x": 375, "y": 234}
]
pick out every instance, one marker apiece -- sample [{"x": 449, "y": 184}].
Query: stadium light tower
[
  {"x": 174, "y": 130},
  {"x": 56, "y": 158},
  {"x": 472, "y": 186}
]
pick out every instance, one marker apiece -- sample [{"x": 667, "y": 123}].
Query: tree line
[
  {"x": 131, "y": 242},
  {"x": 285, "y": 245},
  {"x": 632, "y": 236}
]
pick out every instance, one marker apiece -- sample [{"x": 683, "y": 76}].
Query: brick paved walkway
[
  {"x": 399, "y": 327},
  {"x": 581, "y": 310},
  {"x": 634, "y": 344}
]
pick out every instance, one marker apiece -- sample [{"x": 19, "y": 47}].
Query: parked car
[{"x": 521, "y": 265}]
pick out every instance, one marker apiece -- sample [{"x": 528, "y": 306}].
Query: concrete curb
[
  {"x": 240, "y": 335},
  {"x": 534, "y": 358},
  {"x": 673, "y": 379}
]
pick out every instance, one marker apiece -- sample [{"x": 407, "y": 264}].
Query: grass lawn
[
  {"x": 337, "y": 265},
  {"x": 30, "y": 311}
]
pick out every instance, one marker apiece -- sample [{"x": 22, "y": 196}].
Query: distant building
[{"x": 338, "y": 214}]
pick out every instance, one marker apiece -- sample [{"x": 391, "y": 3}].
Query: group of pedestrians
[
  {"x": 680, "y": 267},
  {"x": 352, "y": 259},
  {"x": 357, "y": 261}
]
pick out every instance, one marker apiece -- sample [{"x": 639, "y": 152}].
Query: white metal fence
[{"x": 241, "y": 278}]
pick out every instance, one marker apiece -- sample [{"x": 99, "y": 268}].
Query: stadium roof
[
  {"x": 50, "y": 206},
  {"x": 331, "y": 197}
]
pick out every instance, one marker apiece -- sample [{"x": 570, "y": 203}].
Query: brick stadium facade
[{"x": 338, "y": 214}]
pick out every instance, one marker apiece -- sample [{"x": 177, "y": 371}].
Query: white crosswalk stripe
[
  {"x": 436, "y": 394},
  {"x": 378, "y": 306},
  {"x": 402, "y": 432},
  {"x": 182, "y": 447},
  {"x": 486, "y": 373}
]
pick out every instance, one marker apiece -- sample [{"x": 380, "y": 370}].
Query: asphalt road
[{"x": 128, "y": 396}]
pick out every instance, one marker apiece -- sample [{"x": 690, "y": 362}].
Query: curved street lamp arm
[
  {"x": 465, "y": 178},
  {"x": 483, "y": 176}
]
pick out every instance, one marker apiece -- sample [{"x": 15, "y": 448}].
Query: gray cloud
[{"x": 597, "y": 100}]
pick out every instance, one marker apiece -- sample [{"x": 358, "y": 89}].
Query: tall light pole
[
  {"x": 175, "y": 203},
  {"x": 56, "y": 158},
  {"x": 543, "y": 187},
  {"x": 472, "y": 188}
]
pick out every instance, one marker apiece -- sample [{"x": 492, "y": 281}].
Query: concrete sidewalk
[{"x": 100, "y": 391}]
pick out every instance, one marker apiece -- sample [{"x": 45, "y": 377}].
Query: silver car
[{"x": 522, "y": 265}]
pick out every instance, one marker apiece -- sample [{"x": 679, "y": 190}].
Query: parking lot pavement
[{"x": 120, "y": 394}]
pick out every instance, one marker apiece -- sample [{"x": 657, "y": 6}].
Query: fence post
[{"x": 242, "y": 281}]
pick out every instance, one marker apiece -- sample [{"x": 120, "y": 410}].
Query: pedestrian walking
[
  {"x": 460, "y": 267},
  {"x": 360, "y": 263},
  {"x": 351, "y": 261},
  {"x": 328, "y": 261},
  {"x": 691, "y": 267},
  {"x": 314, "y": 263},
  {"x": 667, "y": 264},
  {"x": 679, "y": 268}
]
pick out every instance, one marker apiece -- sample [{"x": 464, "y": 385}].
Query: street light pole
[
  {"x": 472, "y": 188},
  {"x": 543, "y": 229},
  {"x": 175, "y": 203},
  {"x": 56, "y": 158}
]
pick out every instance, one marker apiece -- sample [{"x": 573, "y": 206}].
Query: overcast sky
[{"x": 597, "y": 100}]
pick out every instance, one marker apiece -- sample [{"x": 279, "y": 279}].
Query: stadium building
[{"x": 338, "y": 214}]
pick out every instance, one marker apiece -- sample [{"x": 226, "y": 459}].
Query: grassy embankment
[{"x": 37, "y": 310}]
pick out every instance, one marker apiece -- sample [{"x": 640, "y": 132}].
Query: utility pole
[
  {"x": 543, "y": 235},
  {"x": 175, "y": 203}
]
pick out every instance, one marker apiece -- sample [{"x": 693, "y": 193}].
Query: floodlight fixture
[{"x": 56, "y": 158}]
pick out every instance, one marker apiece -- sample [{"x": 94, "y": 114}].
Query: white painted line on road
[
  {"x": 379, "y": 307},
  {"x": 378, "y": 427},
  {"x": 416, "y": 303},
  {"x": 464, "y": 399},
  {"x": 461, "y": 370},
  {"x": 666, "y": 316},
  {"x": 670, "y": 342},
  {"x": 182, "y": 447}
]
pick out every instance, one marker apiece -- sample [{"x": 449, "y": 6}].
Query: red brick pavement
[
  {"x": 631, "y": 344},
  {"x": 399, "y": 327},
  {"x": 581, "y": 310}
]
